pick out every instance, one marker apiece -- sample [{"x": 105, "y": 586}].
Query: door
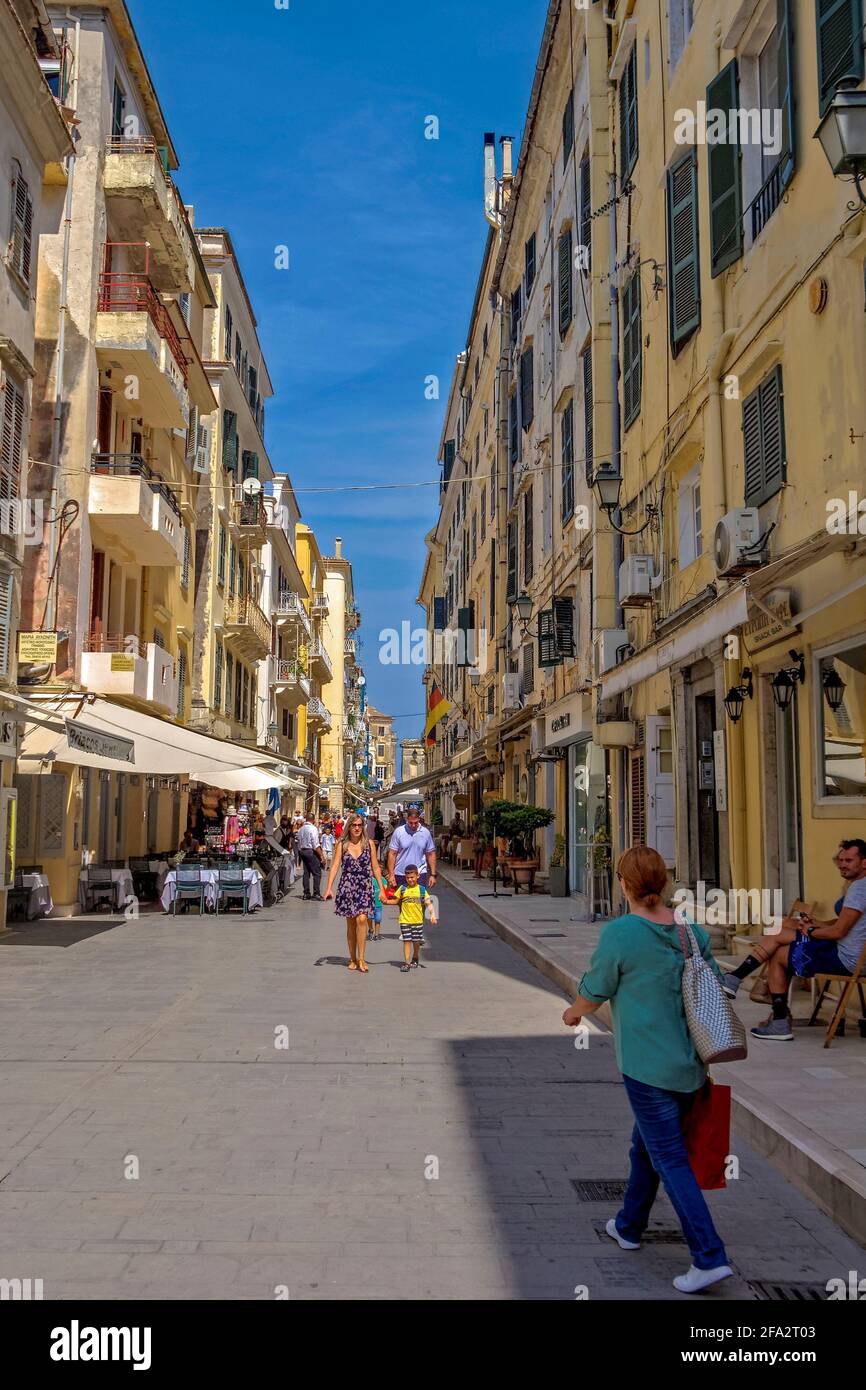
[
  {"x": 103, "y": 421},
  {"x": 105, "y": 852},
  {"x": 708, "y": 825},
  {"x": 120, "y": 817},
  {"x": 660, "y": 820},
  {"x": 589, "y": 808},
  {"x": 788, "y": 793}
]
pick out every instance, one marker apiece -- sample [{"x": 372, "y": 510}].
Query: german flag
[{"x": 437, "y": 708}]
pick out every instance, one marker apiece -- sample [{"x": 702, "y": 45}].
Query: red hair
[{"x": 644, "y": 874}]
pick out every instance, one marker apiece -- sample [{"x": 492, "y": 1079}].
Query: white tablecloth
[
  {"x": 40, "y": 904},
  {"x": 210, "y": 878},
  {"x": 123, "y": 887}
]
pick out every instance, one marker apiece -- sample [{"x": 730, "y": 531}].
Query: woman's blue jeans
[{"x": 658, "y": 1151}]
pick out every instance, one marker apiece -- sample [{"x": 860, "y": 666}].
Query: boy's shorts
[
  {"x": 410, "y": 931},
  {"x": 807, "y": 958}
]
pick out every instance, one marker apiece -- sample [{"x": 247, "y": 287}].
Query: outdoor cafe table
[
  {"x": 210, "y": 879},
  {"x": 123, "y": 886},
  {"x": 40, "y": 903}
]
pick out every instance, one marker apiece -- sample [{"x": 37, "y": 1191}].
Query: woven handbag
[{"x": 717, "y": 1033}]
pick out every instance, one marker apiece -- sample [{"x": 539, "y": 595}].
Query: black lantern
[
  {"x": 523, "y": 604},
  {"x": 737, "y": 695},
  {"x": 842, "y": 133},
  {"x": 783, "y": 690},
  {"x": 606, "y": 486},
  {"x": 834, "y": 688}
]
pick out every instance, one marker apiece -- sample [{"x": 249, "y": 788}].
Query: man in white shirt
[
  {"x": 310, "y": 849},
  {"x": 411, "y": 844}
]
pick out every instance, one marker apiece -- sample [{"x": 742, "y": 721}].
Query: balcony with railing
[
  {"x": 766, "y": 200},
  {"x": 249, "y": 515},
  {"x": 350, "y": 651},
  {"x": 319, "y": 605},
  {"x": 117, "y": 664},
  {"x": 131, "y": 509},
  {"x": 290, "y": 682},
  {"x": 144, "y": 202},
  {"x": 318, "y": 715},
  {"x": 134, "y": 330},
  {"x": 319, "y": 661},
  {"x": 289, "y": 611},
  {"x": 245, "y": 623}
]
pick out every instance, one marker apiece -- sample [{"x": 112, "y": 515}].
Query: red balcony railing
[{"x": 125, "y": 292}]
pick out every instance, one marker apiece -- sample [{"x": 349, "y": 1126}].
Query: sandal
[
  {"x": 363, "y": 967},
  {"x": 353, "y": 965}
]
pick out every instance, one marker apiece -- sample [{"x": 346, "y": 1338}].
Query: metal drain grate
[
  {"x": 544, "y": 919},
  {"x": 479, "y": 936},
  {"x": 598, "y": 1189},
  {"x": 768, "y": 1291},
  {"x": 549, "y": 935}
]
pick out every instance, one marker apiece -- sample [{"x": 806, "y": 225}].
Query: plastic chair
[
  {"x": 99, "y": 889},
  {"x": 231, "y": 884},
  {"x": 188, "y": 886}
]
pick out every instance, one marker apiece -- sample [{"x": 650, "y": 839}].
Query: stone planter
[
  {"x": 523, "y": 872},
  {"x": 557, "y": 881}
]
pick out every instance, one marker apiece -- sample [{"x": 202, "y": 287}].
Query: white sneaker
[
  {"x": 620, "y": 1240},
  {"x": 696, "y": 1280}
]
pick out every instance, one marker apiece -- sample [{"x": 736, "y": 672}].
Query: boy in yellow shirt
[{"x": 411, "y": 900}]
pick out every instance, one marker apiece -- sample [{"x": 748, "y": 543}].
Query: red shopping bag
[{"x": 707, "y": 1132}]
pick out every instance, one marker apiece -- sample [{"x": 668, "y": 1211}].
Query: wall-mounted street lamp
[
  {"x": 737, "y": 695},
  {"x": 784, "y": 683},
  {"x": 607, "y": 486},
  {"x": 842, "y": 134},
  {"x": 475, "y": 679},
  {"x": 834, "y": 688}
]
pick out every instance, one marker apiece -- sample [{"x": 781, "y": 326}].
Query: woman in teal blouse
[{"x": 638, "y": 966}]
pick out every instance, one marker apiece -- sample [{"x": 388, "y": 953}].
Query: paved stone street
[{"x": 261, "y": 1166}]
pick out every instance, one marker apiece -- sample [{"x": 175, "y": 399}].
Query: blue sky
[{"x": 304, "y": 127}]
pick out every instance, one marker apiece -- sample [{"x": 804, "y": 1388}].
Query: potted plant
[
  {"x": 557, "y": 881},
  {"x": 517, "y": 824}
]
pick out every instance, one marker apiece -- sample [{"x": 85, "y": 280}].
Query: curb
[{"x": 829, "y": 1176}]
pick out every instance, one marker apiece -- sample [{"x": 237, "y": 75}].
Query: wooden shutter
[
  {"x": 631, "y": 350},
  {"x": 51, "y": 823},
  {"x": 221, "y": 564},
  {"x": 527, "y": 536},
  {"x": 529, "y": 272},
  {"x": 218, "y": 676},
  {"x": 785, "y": 60},
  {"x": 448, "y": 459},
  {"x": 548, "y": 652},
  {"x": 511, "y": 571},
  {"x": 586, "y": 361},
  {"x": 567, "y": 128},
  {"x": 586, "y": 210},
  {"x": 628, "y": 128},
  {"x": 12, "y": 445},
  {"x": 513, "y": 430},
  {"x": 187, "y": 556},
  {"x": 515, "y": 315},
  {"x": 527, "y": 675},
  {"x": 493, "y": 583},
  {"x": 6, "y": 593},
  {"x": 228, "y": 335},
  {"x": 464, "y": 639},
  {"x": 232, "y": 566},
  {"x": 684, "y": 267},
  {"x": 764, "y": 440},
  {"x": 230, "y": 441},
  {"x": 723, "y": 171},
  {"x": 567, "y": 461},
  {"x": 840, "y": 45},
  {"x": 28, "y": 789},
  {"x": 22, "y": 227},
  {"x": 439, "y": 614},
  {"x": 565, "y": 283},
  {"x": 250, "y": 464},
  {"x": 638, "y": 799},
  {"x": 563, "y": 615},
  {"x": 527, "y": 402},
  {"x": 181, "y": 681}
]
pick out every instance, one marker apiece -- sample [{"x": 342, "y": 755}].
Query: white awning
[
  {"x": 248, "y": 779},
  {"x": 729, "y": 613},
  {"x": 160, "y": 747}
]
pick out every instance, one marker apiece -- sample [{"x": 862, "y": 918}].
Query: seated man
[{"x": 807, "y": 947}]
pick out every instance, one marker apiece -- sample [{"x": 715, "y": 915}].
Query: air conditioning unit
[
  {"x": 735, "y": 543},
  {"x": 610, "y": 646},
  {"x": 536, "y": 737},
  {"x": 635, "y": 579},
  {"x": 511, "y": 698}
]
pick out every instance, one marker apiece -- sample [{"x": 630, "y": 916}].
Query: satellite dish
[
  {"x": 252, "y": 487},
  {"x": 362, "y": 680}
]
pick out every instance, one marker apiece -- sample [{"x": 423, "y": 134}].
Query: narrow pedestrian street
[{"x": 421, "y": 1136}]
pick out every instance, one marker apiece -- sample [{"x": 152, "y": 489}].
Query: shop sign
[
  {"x": 772, "y": 626},
  {"x": 721, "y": 769},
  {"x": 564, "y": 722},
  {"x": 120, "y": 661},
  {"x": 82, "y": 739},
  {"x": 38, "y": 647}
]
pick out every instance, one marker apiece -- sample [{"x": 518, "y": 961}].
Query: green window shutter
[
  {"x": 723, "y": 167},
  {"x": 567, "y": 509},
  {"x": 631, "y": 354},
  {"x": 230, "y": 441},
  {"x": 12, "y": 441},
  {"x": 548, "y": 652},
  {"x": 181, "y": 681},
  {"x": 628, "y": 128},
  {"x": 218, "y": 677},
  {"x": 515, "y": 315},
  {"x": 250, "y": 464},
  {"x": 529, "y": 268},
  {"x": 586, "y": 361},
  {"x": 565, "y": 284},
  {"x": 221, "y": 567},
  {"x": 840, "y": 45},
  {"x": 563, "y": 614},
  {"x": 527, "y": 403},
  {"x": 513, "y": 430},
  {"x": 764, "y": 440},
  {"x": 786, "y": 70},
  {"x": 21, "y": 249},
  {"x": 232, "y": 567},
  {"x": 567, "y": 129},
  {"x": 511, "y": 579},
  {"x": 585, "y": 211},
  {"x": 528, "y": 553},
  {"x": 684, "y": 293}
]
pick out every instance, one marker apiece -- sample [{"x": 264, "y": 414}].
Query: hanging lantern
[{"x": 834, "y": 688}]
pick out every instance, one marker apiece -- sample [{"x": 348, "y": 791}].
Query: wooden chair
[
  {"x": 848, "y": 983},
  {"x": 99, "y": 888},
  {"x": 144, "y": 880},
  {"x": 188, "y": 886},
  {"x": 231, "y": 884}
]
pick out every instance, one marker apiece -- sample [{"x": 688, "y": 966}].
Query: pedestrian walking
[
  {"x": 638, "y": 966},
  {"x": 310, "y": 849},
  {"x": 357, "y": 863},
  {"x": 329, "y": 842},
  {"x": 413, "y": 899},
  {"x": 411, "y": 844}
]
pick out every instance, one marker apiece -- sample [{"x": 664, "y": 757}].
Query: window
[
  {"x": 529, "y": 262},
  {"x": 527, "y": 669},
  {"x": 842, "y": 732},
  {"x": 679, "y": 27},
  {"x": 221, "y": 561},
  {"x": 515, "y": 315},
  {"x": 527, "y": 403},
  {"x": 485, "y": 415},
  {"x": 230, "y": 661},
  {"x": 181, "y": 682},
  {"x": 628, "y": 128},
  {"x": 250, "y": 464},
  {"x": 565, "y": 299},
  {"x": 229, "y": 327},
  {"x": 684, "y": 295},
  {"x": 485, "y": 339},
  {"x": 187, "y": 554},
  {"x": 238, "y": 353},
  {"x": 448, "y": 459},
  {"x": 230, "y": 441},
  {"x": 586, "y": 364},
  {"x": 474, "y": 546},
  {"x": 477, "y": 372},
  {"x": 218, "y": 676},
  {"x": 723, "y": 172},
  {"x": 567, "y": 507},
  {"x": 768, "y": 93},
  {"x": 118, "y": 110},
  {"x": 232, "y": 568},
  {"x": 567, "y": 128},
  {"x": 483, "y": 513},
  {"x": 689, "y": 518},
  {"x": 585, "y": 213},
  {"x": 6, "y": 592},
  {"x": 513, "y": 430},
  {"x": 546, "y": 352},
  {"x": 564, "y": 610},
  {"x": 11, "y": 441},
  {"x": 764, "y": 440},
  {"x": 631, "y": 350},
  {"x": 380, "y": 750},
  {"x": 511, "y": 573},
  {"x": 527, "y": 535},
  {"x": 840, "y": 45},
  {"x": 21, "y": 230},
  {"x": 381, "y": 772}
]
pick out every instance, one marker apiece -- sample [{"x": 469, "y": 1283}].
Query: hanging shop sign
[
  {"x": 40, "y": 647},
  {"x": 83, "y": 739},
  {"x": 775, "y": 625},
  {"x": 8, "y": 738}
]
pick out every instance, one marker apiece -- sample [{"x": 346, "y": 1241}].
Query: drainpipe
[{"x": 615, "y": 426}]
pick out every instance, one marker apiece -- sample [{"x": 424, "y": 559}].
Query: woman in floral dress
[{"x": 356, "y": 861}]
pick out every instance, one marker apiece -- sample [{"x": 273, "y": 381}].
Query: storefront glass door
[{"x": 588, "y": 796}]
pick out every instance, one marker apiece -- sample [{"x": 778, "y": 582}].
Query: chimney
[
  {"x": 338, "y": 547},
  {"x": 507, "y": 172},
  {"x": 490, "y": 209}
]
